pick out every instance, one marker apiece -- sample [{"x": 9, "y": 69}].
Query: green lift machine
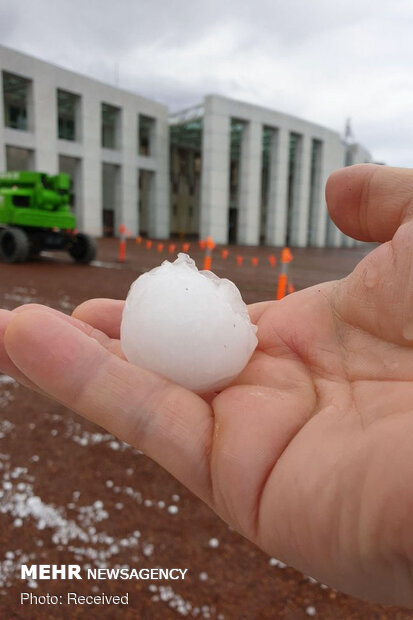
[{"x": 35, "y": 215}]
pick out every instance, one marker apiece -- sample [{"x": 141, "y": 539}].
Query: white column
[
  {"x": 318, "y": 211},
  {"x": 45, "y": 121},
  {"x": 275, "y": 232},
  {"x": 248, "y": 232},
  {"x": 191, "y": 215},
  {"x": 159, "y": 213},
  {"x": 116, "y": 197},
  {"x": 90, "y": 196},
  {"x": 301, "y": 192},
  {"x": 347, "y": 241},
  {"x": 215, "y": 174},
  {"x": 343, "y": 238},
  {"x": 332, "y": 158},
  {"x": 128, "y": 176},
  {"x": 333, "y": 234},
  {"x": 2, "y": 145},
  {"x": 319, "y": 226}
]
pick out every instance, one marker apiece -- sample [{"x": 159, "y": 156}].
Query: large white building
[
  {"x": 109, "y": 140},
  {"x": 238, "y": 172},
  {"x": 248, "y": 174}
]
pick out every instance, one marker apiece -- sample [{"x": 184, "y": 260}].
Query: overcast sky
[{"x": 322, "y": 60}]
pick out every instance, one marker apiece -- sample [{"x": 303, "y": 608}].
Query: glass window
[
  {"x": 15, "y": 97},
  {"x": 185, "y": 173},
  {"x": 146, "y": 128},
  {"x": 110, "y": 126},
  {"x": 71, "y": 166},
  {"x": 315, "y": 190},
  {"x": 19, "y": 159},
  {"x": 146, "y": 188},
  {"x": 67, "y": 106},
  {"x": 268, "y": 138},
  {"x": 110, "y": 198},
  {"x": 293, "y": 172},
  {"x": 237, "y": 129}
]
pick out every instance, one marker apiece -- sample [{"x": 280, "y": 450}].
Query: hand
[{"x": 309, "y": 452}]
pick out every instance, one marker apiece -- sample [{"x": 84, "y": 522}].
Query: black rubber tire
[
  {"x": 14, "y": 245},
  {"x": 82, "y": 249}
]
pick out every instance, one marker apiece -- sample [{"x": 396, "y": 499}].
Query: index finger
[
  {"x": 168, "y": 423},
  {"x": 103, "y": 314}
]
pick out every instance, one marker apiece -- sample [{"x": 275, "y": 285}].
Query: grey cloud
[{"x": 8, "y": 22}]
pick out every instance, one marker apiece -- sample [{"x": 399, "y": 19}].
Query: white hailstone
[
  {"x": 187, "y": 325},
  {"x": 275, "y": 562},
  {"x": 213, "y": 543}
]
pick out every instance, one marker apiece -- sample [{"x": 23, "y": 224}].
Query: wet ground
[{"x": 72, "y": 494}]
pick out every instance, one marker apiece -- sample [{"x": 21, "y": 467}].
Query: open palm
[{"x": 309, "y": 452}]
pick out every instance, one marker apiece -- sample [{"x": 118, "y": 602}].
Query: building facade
[
  {"x": 238, "y": 172},
  {"x": 114, "y": 144},
  {"x": 255, "y": 175}
]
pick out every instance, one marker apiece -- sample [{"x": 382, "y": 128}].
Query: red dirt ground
[{"x": 71, "y": 493}]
